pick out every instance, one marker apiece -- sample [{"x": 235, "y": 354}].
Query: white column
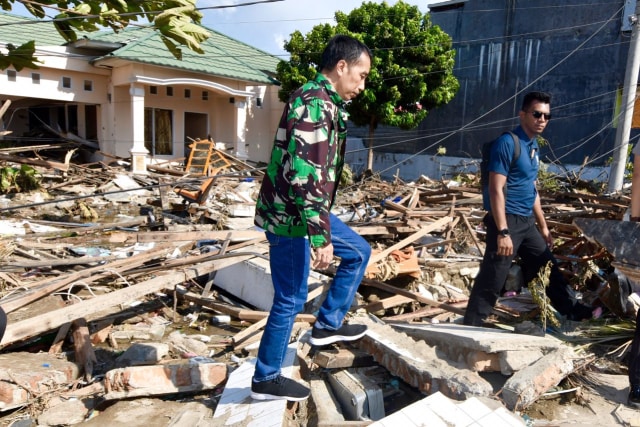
[
  {"x": 138, "y": 151},
  {"x": 241, "y": 129}
]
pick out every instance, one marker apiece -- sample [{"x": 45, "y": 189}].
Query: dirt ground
[{"x": 602, "y": 404}]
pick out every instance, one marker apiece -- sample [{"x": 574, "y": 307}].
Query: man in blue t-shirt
[{"x": 513, "y": 209}]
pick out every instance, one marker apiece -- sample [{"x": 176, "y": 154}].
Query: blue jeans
[{"x": 289, "y": 258}]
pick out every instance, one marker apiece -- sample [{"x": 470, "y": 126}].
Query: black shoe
[
  {"x": 279, "y": 388},
  {"x": 634, "y": 396},
  {"x": 345, "y": 333}
]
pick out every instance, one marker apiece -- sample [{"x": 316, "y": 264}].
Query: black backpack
[{"x": 486, "y": 151}]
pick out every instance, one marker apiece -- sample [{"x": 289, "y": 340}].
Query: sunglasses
[{"x": 538, "y": 114}]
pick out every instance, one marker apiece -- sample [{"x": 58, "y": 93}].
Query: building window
[
  {"x": 153, "y": 90},
  {"x": 187, "y": 93},
  {"x": 66, "y": 82},
  {"x": 169, "y": 91},
  {"x": 35, "y": 78},
  {"x": 205, "y": 95},
  {"x": 11, "y": 75},
  {"x": 88, "y": 86},
  {"x": 158, "y": 131}
]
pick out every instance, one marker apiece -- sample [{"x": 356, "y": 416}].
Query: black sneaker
[
  {"x": 634, "y": 396},
  {"x": 345, "y": 333},
  {"x": 279, "y": 388}
]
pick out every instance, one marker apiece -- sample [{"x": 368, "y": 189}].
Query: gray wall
[{"x": 505, "y": 48}]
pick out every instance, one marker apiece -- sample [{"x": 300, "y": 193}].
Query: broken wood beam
[
  {"x": 239, "y": 313},
  {"x": 45, "y": 287},
  {"x": 175, "y": 236},
  {"x": 83, "y": 354},
  {"x": 412, "y": 295},
  {"x": 47, "y": 321},
  {"x": 412, "y": 238}
]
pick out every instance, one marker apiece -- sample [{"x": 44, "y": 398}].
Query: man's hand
[
  {"x": 505, "y": 246},
  {"x": 322, "y": 257},
  {"x": 546, "y": 234}
]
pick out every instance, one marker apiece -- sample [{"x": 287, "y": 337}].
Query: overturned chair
[{"x": 203, "y": 161}]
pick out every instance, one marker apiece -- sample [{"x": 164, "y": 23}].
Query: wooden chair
[{"x": 204, "y": 160}]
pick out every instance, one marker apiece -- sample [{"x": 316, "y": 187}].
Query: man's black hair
[
  {"x": 342, "y": 47},
  {"x": 542, "y": 97}
]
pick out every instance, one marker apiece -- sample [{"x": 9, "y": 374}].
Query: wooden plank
[
  {"x": 371, "y": 230},
  {"x": 415, "y": 236},
  {"x": 383, "y": 304},
  {"x": 49, "y": 285},
  {"x": 412, "y": 295},
  {"x": 47, "y": 321}
]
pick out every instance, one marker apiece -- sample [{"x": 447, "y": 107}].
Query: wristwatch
[{"x": 504, "y": 232}]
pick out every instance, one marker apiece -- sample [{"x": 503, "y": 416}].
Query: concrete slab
[
  {"x": 135, "y": 381},
  {"x": 528, "y": 384},
  {"x": 482, "y": 349},
  {"x": 237, "y": 408},
  {"x": 23, "y": 374},
  {"x": 437, "y": 410},
  {"x": 419, "y": 365},
  {"x": 250, "y": 280}
]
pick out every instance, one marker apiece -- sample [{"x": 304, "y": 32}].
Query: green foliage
[
  {"x": 411, "y": 71},
  {"x": 16, "y": 180},
  {"x": 548, "y": 181},
  {"x": 537, "y": 287},
  {"x": 628, "y": 167},
  {"x": 20, "y": 57},
  {"x": 346, "y": 178},
  {"x": 176, "y": 20}
]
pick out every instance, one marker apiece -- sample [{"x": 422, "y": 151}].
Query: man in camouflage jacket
[{"x": 294, "y": 206}]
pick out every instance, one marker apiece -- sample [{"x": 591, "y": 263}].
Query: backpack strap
[{"x": 516, "y": 149}]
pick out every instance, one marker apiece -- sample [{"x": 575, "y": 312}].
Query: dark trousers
[
  {"x": 634, "y": 355},
  {"x": 3, "y": 322},
  {"x": 531, "y": 247}
]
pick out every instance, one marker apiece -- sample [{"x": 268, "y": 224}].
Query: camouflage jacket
[{"x": 300, "y": 184}]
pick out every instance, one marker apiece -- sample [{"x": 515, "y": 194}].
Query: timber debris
[{"x": 120, "y": 286}]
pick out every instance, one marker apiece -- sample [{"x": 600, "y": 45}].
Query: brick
[
  {"x": 163, "y": 379},
  {"x": 22, "y": 375},
  {"x": 342, "y": 358},
  {"x": 527, "y": 385}
]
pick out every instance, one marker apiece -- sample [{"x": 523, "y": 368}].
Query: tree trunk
[{"x": 372, "y": 127}]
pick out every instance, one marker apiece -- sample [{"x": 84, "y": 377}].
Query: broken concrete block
[
  {"x": 419, "y": 365},
  {"x": 22, "y": 374},
  {"x": 482, "y": 349},
  {"x": 157, "y": 380},
  {"x": 143, "y": 354},
  {"x": 185, "y": 344},
  {"x": 145, "y": 412},
  {"x": 528, "y": 384},
  {"x": 139, "y": 332},
  {"x": 66, "y": 413},
  {"x": 513, "y": 361},
  {"x": 342, "y": 358}
]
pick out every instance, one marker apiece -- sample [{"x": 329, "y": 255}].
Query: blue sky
[{"x": 267, "y": 25}]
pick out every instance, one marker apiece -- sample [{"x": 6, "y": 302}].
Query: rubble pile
[{"x": 128, "y": 294}]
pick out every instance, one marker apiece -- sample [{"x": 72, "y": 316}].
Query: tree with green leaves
[
  {"x": 177, "y": 21},
  {"x": 411, "y": 73}
]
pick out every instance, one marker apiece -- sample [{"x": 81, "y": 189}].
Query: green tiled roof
[
  {"x": 18, "y": 30},
  {"x": 223, "y": 57}
]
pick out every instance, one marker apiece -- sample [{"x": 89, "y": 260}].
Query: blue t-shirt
[{"x": 521, "y": 189}]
